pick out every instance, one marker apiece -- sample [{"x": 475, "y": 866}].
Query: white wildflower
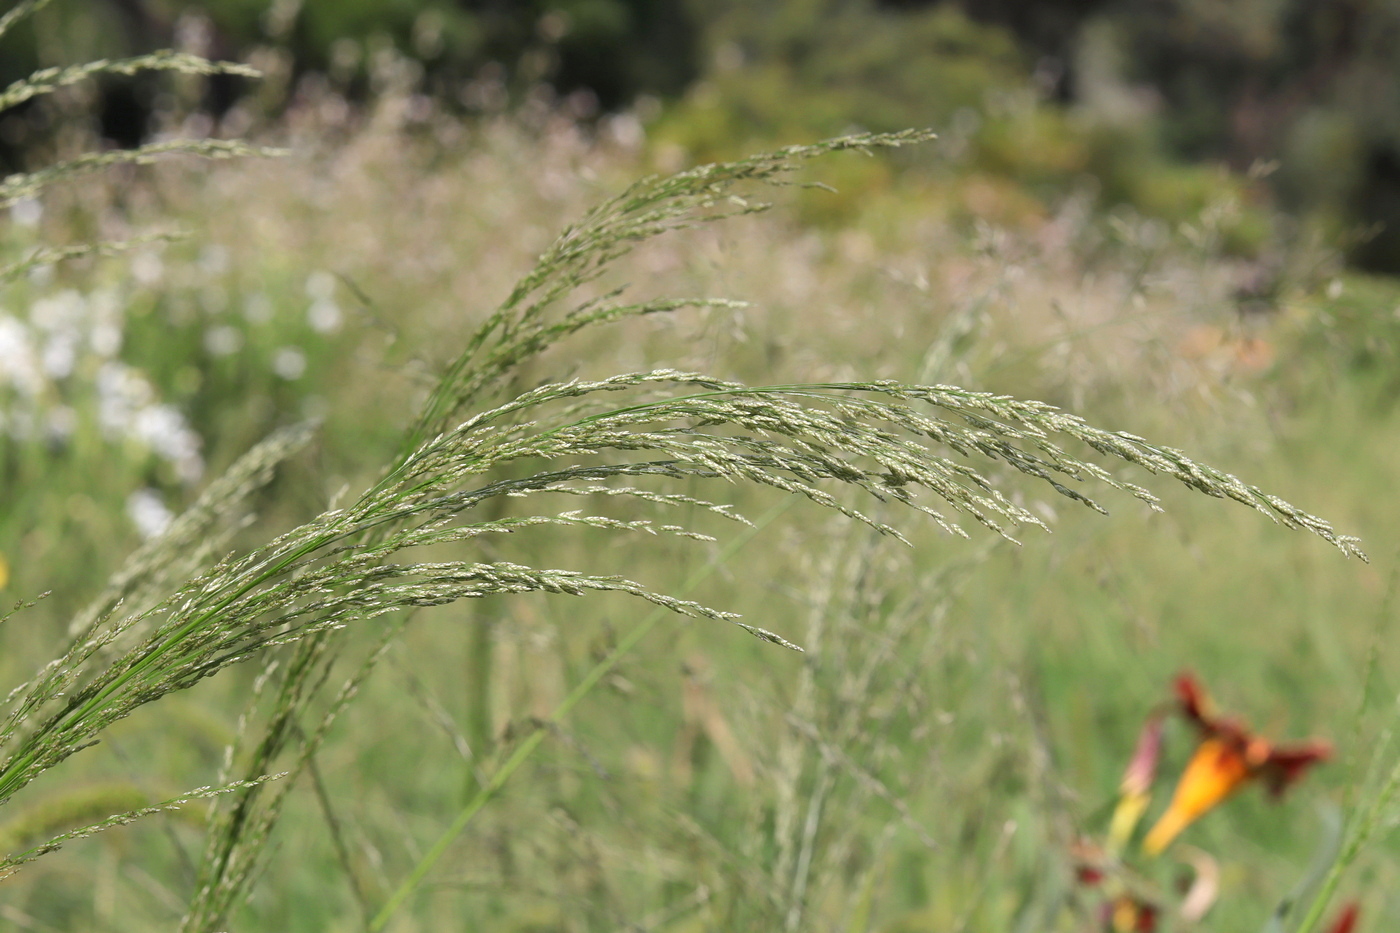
[
  {"x": 223, "y": 340},
  {"x": 19, "y": 365},
  {"x": 324, "y": 316},
  {"x": 121, "y": 392},
  {"x": 147, "y": 512},
  {"x": 257, "y": 308},
  {"x": 147, "y": 268},
  {"x": 163, "y": 429},
  {"x": 27, "y": 212},
  {"x": 320, "y": 285},
  {"x": 63, "y": 312},
  {"x": 289, "y": 363},
  {"x": 61, "y": 355}
]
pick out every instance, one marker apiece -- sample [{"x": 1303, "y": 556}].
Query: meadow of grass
[{"x": 964, "y": 708}]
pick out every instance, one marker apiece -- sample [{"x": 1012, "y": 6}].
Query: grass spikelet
[
  {"x": 48, "y": 80},
  {"x": 19, "y": 11},
  {"x": 27, "y": 184},
  {"x": 102, "y": 800}
]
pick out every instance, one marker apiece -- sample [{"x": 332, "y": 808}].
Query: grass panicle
[
  {"x": 48, "y": 80},
  {"x": 50, "y": 255},
  {"x": 526, "y": 324},
  {"x": 21, "y": 186},
  {"x": 19, "y": 11},
  {"x": 27, "y": 184},
  {"x": 10, "y": 864},
  {"x": 522, "y": 326}
]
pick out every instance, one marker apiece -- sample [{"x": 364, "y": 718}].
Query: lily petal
[{"x": 1215, "y": 771}]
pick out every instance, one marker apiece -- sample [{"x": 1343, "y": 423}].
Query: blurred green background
[
  {"x": 1148, "y": 100},
  {"x": 1174, "y": 218}
]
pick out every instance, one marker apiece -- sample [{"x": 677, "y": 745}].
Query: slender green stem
[
  {"x": 1361, "y": 830},
  {"x": 1357, "y": 827},
  {"x": 525, "y": 749},
  {"x": 478, "y": 686}
]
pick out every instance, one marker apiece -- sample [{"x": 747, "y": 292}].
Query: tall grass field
[{"x": 411, "y": 524}]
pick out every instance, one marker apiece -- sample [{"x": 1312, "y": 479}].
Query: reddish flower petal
[
  {"x": 1346, "y": 921},
  {"x": 1198, "y": 709},
  {"x": 1194, "y": 702},
  {"x": 1277, "y": 766},
  {"x": 1283, "y": 766},
  {"x": 1142, "y": 769},
  {"x": 1088, "y": 875},
  {"x": 1127, "y": 914}
]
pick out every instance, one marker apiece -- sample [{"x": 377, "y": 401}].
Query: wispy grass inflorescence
[
  {"x": 12, "y": 863},
  {"x": 528, "y": 322},
  {"x": 48, "y": 80},
  {"x": 522, "y": 326},
  {"x": 334, "y": 571},
  {"x": 51, "y": 255},
  {"x": 27, "y": 184},
  {"x": 19, "y": 11},
  {"x": 187, "y": 545}
]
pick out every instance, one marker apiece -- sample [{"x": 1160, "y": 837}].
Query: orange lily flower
[{"x": 1228, "y": 757}]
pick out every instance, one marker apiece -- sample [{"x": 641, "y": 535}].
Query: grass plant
[{"x": 503, "y": 458}]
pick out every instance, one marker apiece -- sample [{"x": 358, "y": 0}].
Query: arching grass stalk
[
  {"x": 541, "y": 310},
  {"x": 530, "y": 743}
]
